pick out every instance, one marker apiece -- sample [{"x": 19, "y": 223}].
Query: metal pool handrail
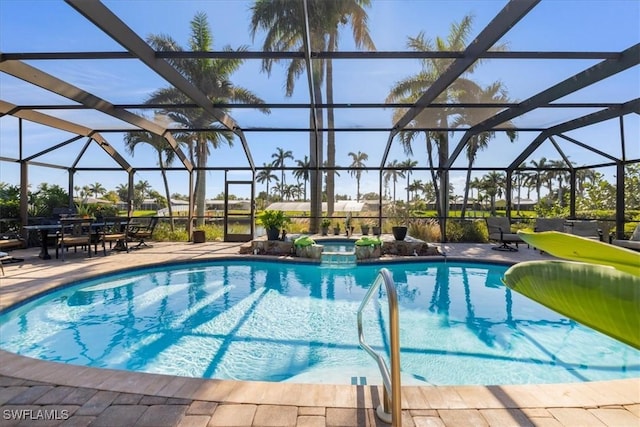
[{"x": 391, "y": 412}]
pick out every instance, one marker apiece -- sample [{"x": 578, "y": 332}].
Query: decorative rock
[
  {"x": 271, "y": 247},
  {"x": 408, "y": 248},
  {"x": 314, "y": 251},
  {"x": 368, "y": 252}
]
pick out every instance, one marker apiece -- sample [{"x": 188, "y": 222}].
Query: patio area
[{"x": 69, "y": 395}]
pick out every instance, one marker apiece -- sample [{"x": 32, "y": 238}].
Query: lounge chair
[
  {"x": 588, "y": 229},
  {"x": 499, "y": 228},
  {"x": 141, "y": 232},
  {"x": 549, "y": 224},
  {"x": 632, "y": 243}
]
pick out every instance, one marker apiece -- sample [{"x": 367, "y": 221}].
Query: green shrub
[
  {"x": 427, "y": 229},
  {"x": 467, "y": 231}
]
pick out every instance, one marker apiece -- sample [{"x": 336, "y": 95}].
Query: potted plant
[
  {"x": 324, "y": 226},
  {"x": 273, "y": 222},
  {"x": 364, "y": 227},
  {"x": 336, "y": 228},
  {"x": 399, "y": 217},
  {"x": 82, "y": 210},
  {"x": 375, "y": 229}
]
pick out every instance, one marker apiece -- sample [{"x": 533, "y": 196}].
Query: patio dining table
[{"x": 44, "y": 230}]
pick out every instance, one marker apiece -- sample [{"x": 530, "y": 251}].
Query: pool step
[{"x": 338, "y": 258}]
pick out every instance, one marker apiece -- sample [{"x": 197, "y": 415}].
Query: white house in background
[{"x": 181, "y": 207}]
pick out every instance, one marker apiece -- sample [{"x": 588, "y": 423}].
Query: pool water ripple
[{"x": 297, "y": 322}]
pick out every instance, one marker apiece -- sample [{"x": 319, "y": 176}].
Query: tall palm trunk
[
  {"x": 465, "y": 199},
  {"x": 166, "y": 188},
  {"x": 315, "y": 150},
  {"x": 331, "y": 135},
  {"x": 201, "y": 180},
  {"x": 443, "y": 156},
  {"x": 434, "y": 176}
]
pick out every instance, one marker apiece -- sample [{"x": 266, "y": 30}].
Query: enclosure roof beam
[
  {"x": 588, "y": 147},
  {"x": 280, "y": 105},
  {"x": 103, "y": 18},
  {"x": 54, "y": 122},
  {"x": 589, "y": 119},
  {"x": 512, "y": 12},
  {"x": 46, "y": 81},
  {"x": 26, "y": 56},
  {"x": 607, "y": 68}
]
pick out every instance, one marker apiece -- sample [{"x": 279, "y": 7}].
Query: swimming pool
[{"x": 252, "y": 320}]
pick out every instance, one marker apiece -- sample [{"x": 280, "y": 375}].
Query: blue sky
[{"x": 553, "y": 25}]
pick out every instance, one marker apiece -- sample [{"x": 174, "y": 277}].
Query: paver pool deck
[{"x": 40, "y": 393}]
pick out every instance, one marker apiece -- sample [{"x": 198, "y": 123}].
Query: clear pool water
[{"x": 297, "y": 322}]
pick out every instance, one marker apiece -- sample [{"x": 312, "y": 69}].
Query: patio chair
[
  {"x": 588, "y": 229},
  {"x": 632, "y": 243},
  {"x": 549, "y": 224},
  {"x": 115, "y": 229},
  {"x": 140, "y": 232},
  {"x": 74, "y": 232},
  {"x": 499, "y": 228}
]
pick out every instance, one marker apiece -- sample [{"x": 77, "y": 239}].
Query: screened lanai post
[
  {"x": 70, "y": 173},
  {"x": 507, "y": 195},
  {"x": 191, "y": 205},
  {"x": 620, "y": 181},
  {"x": 620, "y": 200},
  {"x": 24, "y": 187},
  {"x": 130, "y": 196},
  {"x": 572, "y": 190},
  {"x": 380, "y": 197}
]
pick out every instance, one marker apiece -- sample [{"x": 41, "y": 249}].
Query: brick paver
[
  {"x": 119, "y": 415},
  {"x": 233, "y": 415},
  {"x": 162, "y": 416},
  {"x": 274, "y": 416}
]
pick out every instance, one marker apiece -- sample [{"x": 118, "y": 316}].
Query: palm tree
[
  {"x": 473, "y": 93},
  {"x": 414, "y": 187},
  {"x": 519, "y": 180},
  {"x": 143, "y": 187},
  {"x": 340, "y": 13},
  {"x": 493, "y": 185},
  {"x": 279, "y": 157},
  {"x": 582, "y": 176},
  {"x": 356, "y": 165},
  {"x": 560, "y": 174},
  {"x": 303, "y": 173},
  {"x": 538, "y": 175},
  {"x": 283, "y": 23},
  {"x": 266, "y": 175},
  {"x": 165, "y": 153},
  {"x": 477, "y": 184},
  {"x": 393, "y": 174},
  {"x": 413, "y": 87},
  {"x": 97, "y": 189},
  {"x": 407, "y": 165},
  {"x": 212, "y": 76},
  {"x": 122, "y": 190}
]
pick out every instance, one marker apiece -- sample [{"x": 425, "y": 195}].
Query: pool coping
[{"x": 612, "y": 393}]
